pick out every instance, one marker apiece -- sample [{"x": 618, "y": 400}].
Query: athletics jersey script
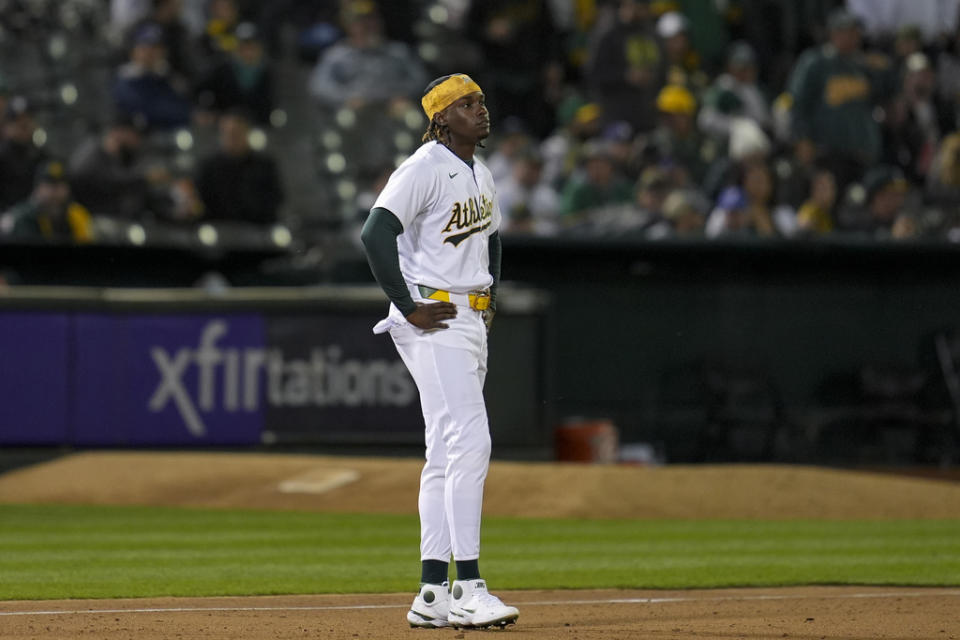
[
  {"x": 467, "y": 218},
  {"x": 448, "y": 210}
]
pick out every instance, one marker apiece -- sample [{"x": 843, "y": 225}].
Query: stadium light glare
[
  {"x": 136, "y": 234},
  {"x": 184, "y": 140},
  {"x": 207, "y": 234},
  {"x": 330, "y": 139},
  {"x": 278, "y": 118},
  {"x": 438, "y": 14},
  {"x": 336, "y": 163},
  {"x": 257, "y": 139},
  {"x": 413, "y": 119},
  {"x": 281, "y": 236},
  {"x": 346, "y": 189},
  {"x": 57, "y": 46},
  {"x": 429, "y": 51},
  {"x": 69, "y": 93},
  {"x": 346, "y": 118},
  {"x": 403, "y": 141}
]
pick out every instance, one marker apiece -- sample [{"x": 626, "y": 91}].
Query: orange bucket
[{"x": 587, "y": 440}]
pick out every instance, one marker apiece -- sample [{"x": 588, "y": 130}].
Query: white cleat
[
  {"x": 473, "y": 607},
  {"x": 431, "y": 607}
]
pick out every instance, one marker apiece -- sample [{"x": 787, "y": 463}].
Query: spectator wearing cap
[
  {"x": 19, "y": 156},
  {"x": 364, "y": 68},
  {"x": 730, "y": 216},
  {"x": 735, "y": 94},
  {"x": 529, "y": 205},
  {"x": 908, "y": 41},
  {"x": 681, "y": 217},
  {"x": 49, "y": 213},
  {"x": 646, "y": 209},
  {"x": 746, "y": 143},
  {"x": 948, "y": 67},
  {"x": 512, "y": 138},
  {"x": 243, "y": 79},
  {"x": 143, "y": 87},
  {"x": 682, "y": 64},
  {"x": 749, "y": 209},
  {"x": 832, "y": 93},
  {"x": 709, "y": 26},
  {"x": 597, "y": 186},
  {"x": 875, "y": 207},
  {"x": 626, "y": 148},
  {"x": 652, "y": 189},
  {"x": 579, "y": 122},
  {"x": 521, "y": 52},
  {"x": 677, "y": 140},
  {"x": 219, "y": 38},
  {"x": 238, "y": 183},
  {"x": 917, "y": 118},
  {"x": 625, "y": 71},
  {"x": 167, "y": 14},
  {"x": 108, "y": 177}
]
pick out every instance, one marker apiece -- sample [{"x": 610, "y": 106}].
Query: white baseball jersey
[{"x": 447, "y": 210}]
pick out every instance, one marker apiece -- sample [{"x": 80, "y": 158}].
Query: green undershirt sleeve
[
  {"x": 495, "y": 249},
  {"x": 379, "y": 237}
]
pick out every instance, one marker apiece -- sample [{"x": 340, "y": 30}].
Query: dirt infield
[
  {"x": 806, "y": 613},
  {"x": 390, "y": 485}
]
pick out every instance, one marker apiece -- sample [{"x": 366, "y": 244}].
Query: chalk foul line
[{"x": 543, "y": 603}]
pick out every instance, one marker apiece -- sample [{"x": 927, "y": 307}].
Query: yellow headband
[{"x": 445, "y": 93}]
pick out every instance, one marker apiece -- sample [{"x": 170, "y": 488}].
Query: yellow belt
[{"x": 478, "y": 300}]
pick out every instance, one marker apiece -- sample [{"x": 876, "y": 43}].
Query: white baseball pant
[{"x": 449, "y": 367}]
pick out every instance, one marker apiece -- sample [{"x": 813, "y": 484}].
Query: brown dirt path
[
  {"x": 388, "y": 485},
  {"x": 325, "y": 483},
  {"x": 800, "y": 613}
]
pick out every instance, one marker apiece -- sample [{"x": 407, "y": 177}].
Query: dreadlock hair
[
  {"x": 441, "y": 133},
  {"x": 435, "y": 130},
  {"x": 438, "y": 132}
]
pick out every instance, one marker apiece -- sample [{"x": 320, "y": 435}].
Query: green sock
[
  {"x": 434, "y": 572},
  {"x": 468, "y": 569}
]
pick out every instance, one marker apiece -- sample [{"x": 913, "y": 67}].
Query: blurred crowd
[{"x": 646, "y": 119}]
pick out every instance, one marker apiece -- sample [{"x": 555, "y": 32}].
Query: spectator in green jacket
[
  {"x": 677, "y": 140},
  {"x": 49, "y": 213},
  {"x": 734, "y": 94},
  {"x": 599, "y": 185},
  {"x": 835, "y": 89}
]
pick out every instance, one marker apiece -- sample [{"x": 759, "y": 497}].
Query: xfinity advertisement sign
[
  {"x": 236, "y": 379},
  {"x": 334, "y": 368},
  {"x": 227, "y": 378},
  {"x": 34, "y": 385},
  {"x": 162, "y": 379}
]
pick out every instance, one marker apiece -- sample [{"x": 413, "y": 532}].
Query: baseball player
[{"x": 432, "y": 243}]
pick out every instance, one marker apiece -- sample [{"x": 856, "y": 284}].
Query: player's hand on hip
[{"x": 432, "y": 316}]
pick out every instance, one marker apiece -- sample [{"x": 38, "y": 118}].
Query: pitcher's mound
[{"x": 387, "y": 485}]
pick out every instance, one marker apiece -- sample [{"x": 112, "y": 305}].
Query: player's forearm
[
  {"x": 379, "y": 237},
  {"x": 495, "y": 248}
]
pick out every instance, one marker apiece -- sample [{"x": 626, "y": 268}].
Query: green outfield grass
[{"x": 100, "y": 552}]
